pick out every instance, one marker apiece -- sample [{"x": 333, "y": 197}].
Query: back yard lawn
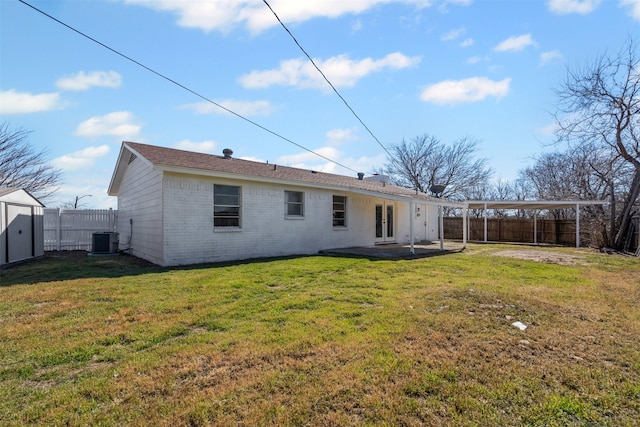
[{"x": 324, "y": 340}]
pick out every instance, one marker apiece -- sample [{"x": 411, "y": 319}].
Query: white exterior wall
[
  {"x": 172, "y": 218},
  {"x": 426, "y": 225},
  {"x": 3, "y": 234},
  {"x": 140, "y": 201},
  {"x": 189, "y": 236}
]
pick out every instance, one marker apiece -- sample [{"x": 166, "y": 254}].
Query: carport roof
[{"x": 531, "y": 204}]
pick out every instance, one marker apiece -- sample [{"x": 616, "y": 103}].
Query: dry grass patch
[
  {"x": 553, "y": 257},
  {"x": 323, "y": 341}
]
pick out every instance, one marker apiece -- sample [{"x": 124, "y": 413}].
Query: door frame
[{"x": 385, "y": 229}]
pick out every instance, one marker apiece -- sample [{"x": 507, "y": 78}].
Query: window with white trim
[
  {"x": 339, "y": 211},
  {"x": 294, "y": 203},
  {"x": 226, "y": 206}
]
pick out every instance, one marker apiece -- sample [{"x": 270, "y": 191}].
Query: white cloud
[
  {"x": 84, "y": 81},
  {"x": 340, "y": 70},
  {"x": 225, "y": 15},
  {"x": 200, "y": 147},
  {"x": 550, "y": 56},
  {"x": 119, "y": 124},
  {"x": 451, "y": 92},
  {"x": 455, "y": 34},
  {"x": 301, "y": 159},
  {"x": 365, "y": 164},
  {"x": 244, "y": 108},
  {"x": 548, "y": 130},
  {"x": 253, "y": 159},
  {"x": 340, "y": 136},
  {"x": 515, "y": 43},
  {"x": 444, "y": 7},
  {"x": 467, "y": 42},
  {"x": 82, "y": 159},
  {"x": 477, "y": 59},
  {"x": 452, "y": 35},
  {"x": 565, "y": 7},
  {"x": 13, "y": 102},
  {"x": 634, "y": 8}
]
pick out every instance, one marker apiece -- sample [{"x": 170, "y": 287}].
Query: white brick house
[{"x": 178, "y": 207}]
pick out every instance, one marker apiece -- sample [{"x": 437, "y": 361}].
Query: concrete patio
[{"x": 396, "y": 251}]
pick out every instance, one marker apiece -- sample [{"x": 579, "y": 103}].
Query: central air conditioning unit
[{"x": 104, "y": 242}]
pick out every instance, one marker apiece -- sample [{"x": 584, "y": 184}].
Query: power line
[
  {"x": 326, "y": 79},
  {"x": 151, "y": 70}
]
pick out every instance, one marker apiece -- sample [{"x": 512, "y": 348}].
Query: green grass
[{"x": 322, "y": 341}]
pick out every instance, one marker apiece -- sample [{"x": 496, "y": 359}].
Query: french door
[{"x": 385, "y": 223}]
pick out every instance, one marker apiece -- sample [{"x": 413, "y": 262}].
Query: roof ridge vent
[{"x": 227, "y": 153}]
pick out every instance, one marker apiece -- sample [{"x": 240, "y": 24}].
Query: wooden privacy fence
[
  {"x": 514, "y": 230},
  {"x": 72, "y": 229}
]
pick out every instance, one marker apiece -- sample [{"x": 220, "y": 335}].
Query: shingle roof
[{"x": 173, "y": 158}]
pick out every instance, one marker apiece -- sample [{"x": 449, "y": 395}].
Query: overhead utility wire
[
  {"x": 327, "y": 80},
  {"x": 184, "y": 87}
]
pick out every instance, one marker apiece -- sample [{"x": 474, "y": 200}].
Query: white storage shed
[{"x": 21, "y": 226}]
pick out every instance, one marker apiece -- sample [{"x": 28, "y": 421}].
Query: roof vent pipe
[
  {"x": 227, "y": 153},
  {"x": 360, "y": 176}
]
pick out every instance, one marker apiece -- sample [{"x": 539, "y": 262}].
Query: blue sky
[{"x": 455, "y": 68}]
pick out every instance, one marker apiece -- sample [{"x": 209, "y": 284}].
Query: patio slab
[{"x": 397, "y": 251}]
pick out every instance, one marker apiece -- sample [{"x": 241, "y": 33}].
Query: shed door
[{"x": 19, "y": 233}]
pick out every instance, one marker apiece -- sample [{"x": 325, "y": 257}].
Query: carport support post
[
  {"x": 412, "y": 208},
  {"x": 535, "y": 226},
  {"x": 441, "y": 227},
  {"x": 577, "y": 225},
  {"x": 484, "y": 212},
  {"x": 465, "y": 220}
]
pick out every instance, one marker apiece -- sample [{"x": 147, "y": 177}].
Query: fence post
[{"x": 59, "y": 230}]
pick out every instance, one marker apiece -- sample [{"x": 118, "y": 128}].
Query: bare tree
[
  {"x": 599, "y": 105},
  {"x": 503, "y": 189},
  {"x": 424, "y": 161},
  {"x": 22, "y": 167}
]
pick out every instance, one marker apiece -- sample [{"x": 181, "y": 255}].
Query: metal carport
[{"x": 536, "y": 205}]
